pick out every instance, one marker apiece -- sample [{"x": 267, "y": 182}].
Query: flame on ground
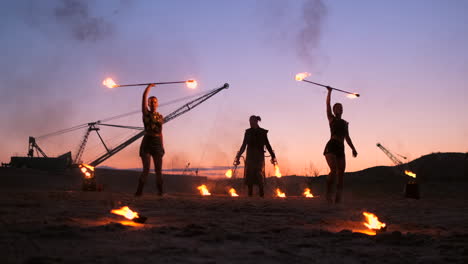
[
  {"x": 87, "y": 170},
  {"x": 372, "y": 221},
  {"x": 307, "y": 193},
  {"x": 277, "y": 171},
  {"x": 228, "y": 173},
  {"x": 233, "y": 193},
  {"x": 126, "y": 212},
  {"x": 203, "y": 190},
  {"x": 280, "y": 194},
  {"x": 191, "y": 84},
  {"x": 109, "y": 83},
  {"x": 410, "y": 173},
  {"x": 301, "y": 76}
]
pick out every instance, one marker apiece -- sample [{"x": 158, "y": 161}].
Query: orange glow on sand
[
  {"x": 301, "y": 76},
  {"x": 280, "y": 194},
  {"x": 109, "y": 83},
  {"x": 228, "y": 173},
  {"x": 233, "y": 193},
  {"x": 126, "y": 212},
  {"x": 191, "y": 84},
  {"x": 307, "y": 193},
  {"x": 203, "y": 190}
]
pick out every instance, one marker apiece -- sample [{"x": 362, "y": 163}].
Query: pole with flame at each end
[
  {"x": 111, "y": 84},
  {"x": 301, "y": 77}
]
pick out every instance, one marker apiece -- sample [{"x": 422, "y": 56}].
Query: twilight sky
[{"x": 407, "y": 59}]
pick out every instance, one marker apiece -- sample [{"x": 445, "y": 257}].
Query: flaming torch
[
  {"x": 374, "y": 224},
  {"x": 277, "y": 171},
  {"x": 301, "y": 77},
  {"x": 228, "y": 173},
  {"x": 412, "y": 187},
  {"x": 307, "y": 193},
  {"x": 111, "y": 84},
  {"x": 233, "y": 193},
  {"x": 203, "y": 190},
  {"x": 280, "y": 194},
  {"x": 88, "y": 181},
  {"x": 129, "y": 214}
]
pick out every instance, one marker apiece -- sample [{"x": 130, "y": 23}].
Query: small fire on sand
[
  {"x": 307, "y": 193},
  {"x": 410, "y": 173},
  {"x": 233, "y": 193},
  {"x": 203, "y": 190},
  {"x": 129, "y": 214},
  {"x": 279, "y": 193},
  {"x": 228, "y": 173},
  {"x": 373, "y": 224}
]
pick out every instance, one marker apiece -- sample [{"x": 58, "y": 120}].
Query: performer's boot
[
  {"x": 250, "y": 190},
  {"x": 260, "y": 191},
  {"x": 159, "y": 186},
  {"x": 139, "y": 191}
]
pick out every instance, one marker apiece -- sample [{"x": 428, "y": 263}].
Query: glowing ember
[
  {"x": 126, "y": 212},
  {"x": 233, "y": 193},
  {"x": 228, "y": 173},
  {"x": 307, "y": 193},
  {"x": 280, "y": 194},
  {"x": 277, "y": 171},
  {"x": 352, "y": 96},
  {"x": 410, "y": 173},
  {"x": 203, "y": 190},
  {"x": 191, "y": 84},
  {"x": 373, "y": 222},
  {"x": 109, "y": 83},
  {"x": 87, "y": 170},
  {"x": 301, "y": 76}
]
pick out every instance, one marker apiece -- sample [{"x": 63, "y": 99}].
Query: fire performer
[
  {"x": 255, "y": 140},
  {"x": 334, "y": 150},
  {"x": 152, "y": 143}
]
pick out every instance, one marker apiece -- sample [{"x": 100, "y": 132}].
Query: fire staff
[
  {"x": 152, "y": 143},
  {"x": 255, "y": 140},
  {"x": 334, "y": 150}
]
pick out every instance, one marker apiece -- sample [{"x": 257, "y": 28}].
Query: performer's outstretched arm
[
  {"x": 329, "y": 111},
  {"x": 144, "y": 103},
  {"x": 241, "y": 150}
]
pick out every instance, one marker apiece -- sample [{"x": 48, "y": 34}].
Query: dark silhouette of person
[
  {"x": 152, "y": 143},
  {"x": 335, "y": 151},
  {"x": 255, "y": 140}
]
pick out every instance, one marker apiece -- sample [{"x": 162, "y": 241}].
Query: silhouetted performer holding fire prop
[
  {"x": 255, "y": 140},
  {"x": 334, "y": 150},
  {"x": 152, "y": 143}
]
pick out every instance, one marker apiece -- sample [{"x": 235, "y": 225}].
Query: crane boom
[
  {"x": 179, "y": 111},
  {"x": 390, "y": 155}
]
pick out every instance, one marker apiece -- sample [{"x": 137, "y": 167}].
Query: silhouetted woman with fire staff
[
  {"x": 255, "y": 140},
  {"x": 335, "y": 151},
  {"x": 152, "y": 143}
]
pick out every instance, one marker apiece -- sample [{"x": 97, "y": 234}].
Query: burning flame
[
  {"x": 410, "y": 173},
  {"x": 109, "y": 83},
  {"x": 373, "y": 222},
  {"x": 203, "y": 190},
  {"x": 126, "y": 212},
  {"x": 307, "y": 193},
  {"x": 301, "y": 76},
  {"x": 228, "y": 173},
  {"x": 87, "y": 170},
  {"x": 191, "y": 84},
  {"x": 277, "y": 171},
  {"x": 352, "y": 96},
  {"x": 233, "y": 193},
  {"x": 279, "y": 193}
]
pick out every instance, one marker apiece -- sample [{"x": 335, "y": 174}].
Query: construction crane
[{"x": 391, "y": 156}]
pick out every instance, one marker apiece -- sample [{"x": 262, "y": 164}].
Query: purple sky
[{"x": 408, "y": 59}]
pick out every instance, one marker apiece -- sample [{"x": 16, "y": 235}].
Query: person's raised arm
[
  {"x": 144, "y": 103},
  {"x": 329, "y": 111}
]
